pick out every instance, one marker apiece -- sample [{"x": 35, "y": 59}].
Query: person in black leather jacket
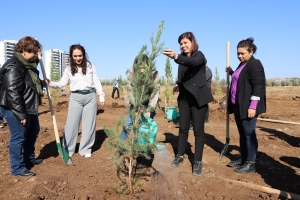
[{"x": 20, "y": 95}]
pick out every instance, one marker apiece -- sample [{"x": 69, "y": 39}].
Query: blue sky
[{"x": 114, "y": 31}]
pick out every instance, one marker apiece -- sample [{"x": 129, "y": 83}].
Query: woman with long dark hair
[
  {"x": 194, "y": 96},
  {"x": 20, "y": 95},
  {"x": 84, "y": 83}
]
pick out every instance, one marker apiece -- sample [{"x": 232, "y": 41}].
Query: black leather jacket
[{"x": 17, "y": 90}]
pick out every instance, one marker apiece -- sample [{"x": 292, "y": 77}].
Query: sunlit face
[
  {"x": 77, "y": 56},
  {"x": 186, "y": 46},
  {"x": 29, "y": 56},
  {"x": 243, "y": 54}
]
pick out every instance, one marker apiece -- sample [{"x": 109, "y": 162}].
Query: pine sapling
[{"x": 140, "y": 81}]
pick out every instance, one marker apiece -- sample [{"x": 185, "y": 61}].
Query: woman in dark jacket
[
  {"x": 194, "y": 95},
  {"x": 20, "y": 96},
  {"x": 247, "y": 100}
]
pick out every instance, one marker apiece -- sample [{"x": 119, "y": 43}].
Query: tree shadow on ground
[
  {"x": 173, "y": 140},
  {"x": 99, "y": 140},
  {"x": 293, "y": 161},
  {"x": 274, "y": 173},
  {"x": 291, "y": 140},
  {"x": 217, "y": 146},
  {"x": 99, "y": 111},
  {"x": 49, "y": 150},
  {"x": 278, "y": 175}
]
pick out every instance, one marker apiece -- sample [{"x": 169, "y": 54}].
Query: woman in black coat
[
  {"x": 247, "y": 100},
  {"x": 193, "y": 97}
]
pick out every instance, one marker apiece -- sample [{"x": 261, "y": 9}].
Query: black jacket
[
  {"x": 208, "y": 76},
  {"x": 192, "y": 77},
  {"x": 17, "y": 90},
  {"x": 251, "y": 82}
]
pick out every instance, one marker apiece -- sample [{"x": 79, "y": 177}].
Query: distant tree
[
  {"x": 168, "y": 91},
  {"x": 217, "y": 82},
  {"x": 285, "y": 82},
  {"x": 54, "y": 70},
  {"x": 162, "y": 81},
  {"x": 268, "y": 83},
  {"x": 54, "y": 76},
  {"x": 274, "y": 83},
  {"x": 295, "y": 82}
]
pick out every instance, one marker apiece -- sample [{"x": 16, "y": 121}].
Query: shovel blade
[
  {"x": 64, "y": 154},
  {"x": 224, "y": 148}
]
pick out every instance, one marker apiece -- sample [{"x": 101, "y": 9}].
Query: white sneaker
[
  {"x": 71, "y": 154},
  {"x": 88, "y": 155}
]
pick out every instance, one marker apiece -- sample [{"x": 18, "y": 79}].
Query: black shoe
[
  {"x": 25, "y": 173},
  {"x": 248, "y": 167},
  {"x": 177, "y": 161},
  {"x": 197, "y": 168},
  {"x": 236, "y": 163},
  {"x": 38, "y": 161}
]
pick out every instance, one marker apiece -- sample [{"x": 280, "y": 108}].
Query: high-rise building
[
  {"x": 60, "y": 59},
  {"x": 6, "y": 50}
]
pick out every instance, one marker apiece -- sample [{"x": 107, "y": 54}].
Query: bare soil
[{"x": 278, "y": 163}]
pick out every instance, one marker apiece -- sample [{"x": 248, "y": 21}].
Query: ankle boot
[
  {"x": 236, "y": 163},
  {"x": 248, "y": 167}
]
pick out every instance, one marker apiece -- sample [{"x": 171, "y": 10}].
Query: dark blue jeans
[
  {"x": 248, "y": 140},
  {"x": 1, "y": 117},
  {"x": 22, "y": 140}
]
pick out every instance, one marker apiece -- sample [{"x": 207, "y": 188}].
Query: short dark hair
[
  {"x": 248, "y": 44},
  {"x": 28, "y": 44},
  {"x": 190, "y": 36}
]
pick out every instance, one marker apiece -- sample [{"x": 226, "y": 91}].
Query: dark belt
[{"x": 84, "y": 91}]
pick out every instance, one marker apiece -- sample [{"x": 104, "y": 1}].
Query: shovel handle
[
  {"x": 50, "y": 100},
  {"x": 227, "y": 87}
]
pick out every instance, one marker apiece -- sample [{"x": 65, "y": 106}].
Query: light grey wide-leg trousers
[{"x": 81, "y": 107}]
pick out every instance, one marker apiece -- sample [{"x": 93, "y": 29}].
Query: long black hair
[{"x": 84, "y": 60}]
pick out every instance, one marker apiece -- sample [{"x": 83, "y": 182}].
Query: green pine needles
[{"x": 141, "y": 88}]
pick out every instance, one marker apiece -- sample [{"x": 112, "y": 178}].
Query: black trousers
[
  {"x": 113, "y": 92},
  {"x": 188, "y": 107}
]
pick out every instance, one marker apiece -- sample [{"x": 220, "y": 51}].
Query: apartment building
[
  {"x": 6, "y": 50},
  {"x": 60, "y": 59}
]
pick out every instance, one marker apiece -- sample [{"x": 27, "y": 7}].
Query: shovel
[
  {"x": 223, "y": 103},
  {"x": 62, "y": 152}
]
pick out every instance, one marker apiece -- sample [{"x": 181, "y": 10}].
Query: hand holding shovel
[{"x": 62, "y": 152}]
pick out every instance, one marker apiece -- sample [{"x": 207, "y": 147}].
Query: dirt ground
[{"x": 278, "y": 163}]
